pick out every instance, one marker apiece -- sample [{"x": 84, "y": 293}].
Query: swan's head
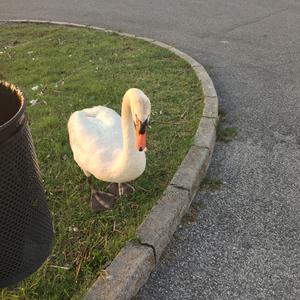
[{"x": 140, "y": 110}]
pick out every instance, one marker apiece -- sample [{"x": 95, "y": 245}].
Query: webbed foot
[
  {"x": 101, "y": 201},
  {"x": 120, "y": 189}
]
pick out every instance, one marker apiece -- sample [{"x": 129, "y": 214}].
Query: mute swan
[{"x": 110, "y": 147}]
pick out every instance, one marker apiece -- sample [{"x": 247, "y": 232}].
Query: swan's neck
[{"x": 128, "y": 131}]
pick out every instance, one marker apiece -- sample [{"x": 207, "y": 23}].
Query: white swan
[{"x": 111, "y": 147}]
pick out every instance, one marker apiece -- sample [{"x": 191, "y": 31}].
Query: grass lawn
[{"x": 61, "y": 70}]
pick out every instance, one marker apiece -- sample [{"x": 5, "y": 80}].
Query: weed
[
  {"x": 211, "y": 184},
  {"x": 224, "y": 134}
]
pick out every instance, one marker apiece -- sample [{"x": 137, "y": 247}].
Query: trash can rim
[{"x": 21, "y": 110}]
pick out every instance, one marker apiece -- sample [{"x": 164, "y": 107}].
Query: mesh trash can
[{"x": 25, "y": 226}]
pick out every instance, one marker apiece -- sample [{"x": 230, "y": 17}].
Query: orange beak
[{"x": 140, "y": 141}]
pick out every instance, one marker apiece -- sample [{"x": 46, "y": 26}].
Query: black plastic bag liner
[{"x": 26, "y": 231}]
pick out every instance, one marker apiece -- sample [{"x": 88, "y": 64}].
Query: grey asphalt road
[{"x": 245, "y": 242}]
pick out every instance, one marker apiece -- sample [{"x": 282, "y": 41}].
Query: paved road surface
[{"x": 244, "y": 243}]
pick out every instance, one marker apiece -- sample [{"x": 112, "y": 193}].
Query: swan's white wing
[{"x": 96, "y": 138}]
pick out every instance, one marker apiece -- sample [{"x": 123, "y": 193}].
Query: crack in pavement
[
  {"x": 237, "y": 26},
  {"x": 221, "y": 33}
]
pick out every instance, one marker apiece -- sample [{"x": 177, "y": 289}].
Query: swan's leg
[
  {"x": 100, "y": 201},
  {"x": 90, "y": 182},
  {"x": 86, "y": 173}
]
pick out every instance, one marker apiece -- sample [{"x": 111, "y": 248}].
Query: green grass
[
  {"x": 225, "y": 134},
  {"x": 68, "y": 69},
  {"x": 210, "y": 184}
]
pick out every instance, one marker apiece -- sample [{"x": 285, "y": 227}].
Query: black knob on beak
[{"x": 143, "y": 127}]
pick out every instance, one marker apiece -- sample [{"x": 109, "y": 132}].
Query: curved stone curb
[{"x": 131, "y": 268}]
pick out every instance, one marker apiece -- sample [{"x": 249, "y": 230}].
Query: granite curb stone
[
  {"x": 159, "y": 226},
  {"x": 205, "y": 136},
  {"x": 211, "y": 107},
  {"x": 125, "y": 275},
  {"x": 192, "y": 170},
  {"x": 207, "y": 84}
]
